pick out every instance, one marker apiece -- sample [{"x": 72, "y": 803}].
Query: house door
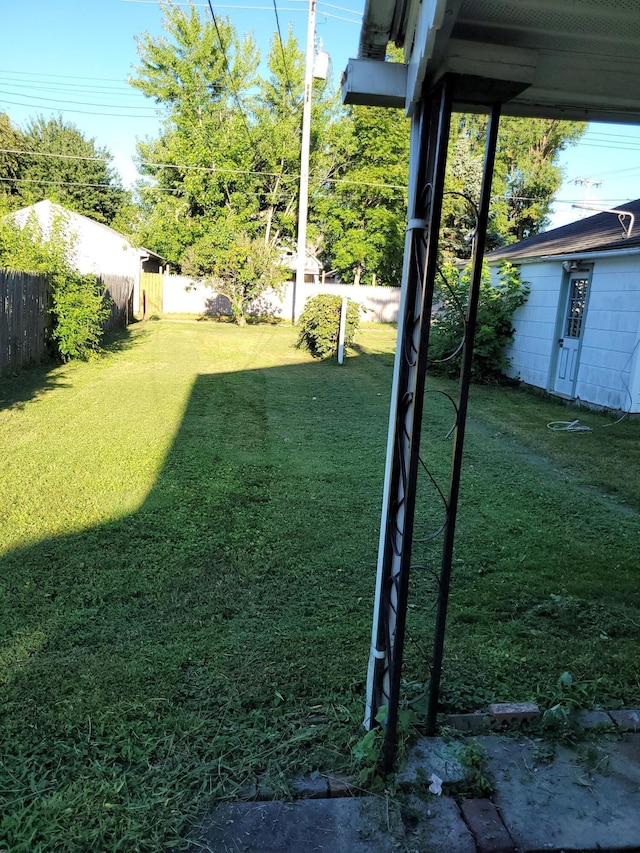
[{"x": 571, "y": 329}]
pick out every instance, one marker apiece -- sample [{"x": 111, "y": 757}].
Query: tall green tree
[
  {"x": 68, "y": 168},
  {"x": 527, "y": 176},
  {"x": 200, "y": 75},
  {"x": 229, "y": 150},
  {"x": 228, "y": 157},
  {"x": 11, "y": 141},
  {"x": 364, "y": 208}
]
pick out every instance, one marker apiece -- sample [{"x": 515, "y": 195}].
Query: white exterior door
[{"x": 571, "y": 329}]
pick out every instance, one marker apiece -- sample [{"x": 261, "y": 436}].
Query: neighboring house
[
  {"x": 312, "y": 266},
  {"x": 578, "y": 335},
  {"x": 150, "y": 262},
  {"x": 99, "y": 249}
]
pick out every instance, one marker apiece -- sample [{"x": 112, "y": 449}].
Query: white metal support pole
[
  {"x": 303, "y": 202},
  {"x": 342, "y": 330}
]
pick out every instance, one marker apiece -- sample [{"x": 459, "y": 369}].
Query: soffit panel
[{"x": 587, "y": 51}]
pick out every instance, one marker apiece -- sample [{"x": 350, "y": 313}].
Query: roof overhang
[{"x": 566, "y": 59}]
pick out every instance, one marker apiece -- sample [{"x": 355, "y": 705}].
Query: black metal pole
[
  {"x": 409, "y": 414},
  {"x": 461, "y": 419}
]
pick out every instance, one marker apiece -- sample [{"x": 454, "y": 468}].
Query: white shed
[
  {"x": 99, "y": 249},
  {"x": 578, "y": 335}
]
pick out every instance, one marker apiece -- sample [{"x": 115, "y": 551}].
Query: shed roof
[
  {"x": 603, "y": 232},
  {"x": 574, "y": 59}
]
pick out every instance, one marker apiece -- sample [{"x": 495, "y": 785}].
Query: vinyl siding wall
[{"x": 608, "y": 373}]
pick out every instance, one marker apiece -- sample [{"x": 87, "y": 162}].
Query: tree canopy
[
  {"x": 224, "y": 169},
  {"x": 52, "y": 159},
  {"x": 526, "y": 177},
  {"x": 229, "y": 151},
  {"x": 228, "y": 158}
]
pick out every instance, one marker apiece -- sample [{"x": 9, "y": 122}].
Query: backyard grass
[{"x": 187, "y": 561}]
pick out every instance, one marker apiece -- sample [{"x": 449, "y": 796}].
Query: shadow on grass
[
  {"x": 221, "y": 630},
  {"x": 37, "y": 380},
  {"x": 30, "y": 384},
  {"x": 216, "y": 537},
  {"x": 213, "y": 621}
]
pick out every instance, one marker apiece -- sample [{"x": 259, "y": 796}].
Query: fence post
[{"x": 342, "y": 329}]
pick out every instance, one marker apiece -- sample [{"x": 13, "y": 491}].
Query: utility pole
[
  {"x": 303, "y": 202},
  {"x": 587, "y": 183}
]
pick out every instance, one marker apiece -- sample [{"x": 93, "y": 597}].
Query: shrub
[
  {"x": 78, "y": 306},
  {"x": 320, "y": 324},
  {"x": 494, "y": 327}
]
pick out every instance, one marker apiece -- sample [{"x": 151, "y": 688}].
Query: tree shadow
[
  {"x": 31, "y": 383},
  {"x": 35, "y": 381},
  {"x": 197, "y": 641}
]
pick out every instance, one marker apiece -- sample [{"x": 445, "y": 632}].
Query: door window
[{"x": 575, "y": 307}]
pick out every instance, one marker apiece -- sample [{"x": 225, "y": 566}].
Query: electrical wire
[
  {"x": 231, "y": 81},
  {"x": 82, "y": 112},
  {"x": 75, "y": 103},
  {"x": 213, "y": 169},
  {"x": 61, "y": 183},
  {"x": 48, "y": 75},
  {"x": 284, "y": 58}
]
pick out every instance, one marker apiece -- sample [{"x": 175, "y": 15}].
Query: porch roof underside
[{"x": 572, "y": 59}]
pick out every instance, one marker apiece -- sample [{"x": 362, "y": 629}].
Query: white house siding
[
  {"x": 608, "y": 358},
  {"x": 609, "y": 366},
  {"x": 98, "y": 248},
  {"x": 535, "y": 322}
]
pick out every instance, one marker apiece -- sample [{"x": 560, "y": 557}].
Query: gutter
[{"x": 568, "y": 256}]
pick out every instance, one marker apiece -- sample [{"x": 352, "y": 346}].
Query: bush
[
  {"x": 494, "y": 328},
  {"x": 78, "y": 306},
  {"x": 320, "y": 325}
]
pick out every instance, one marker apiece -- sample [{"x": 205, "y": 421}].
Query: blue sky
[{"x": 73, "y": 58}]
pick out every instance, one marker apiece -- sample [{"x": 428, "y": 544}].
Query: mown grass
[{"x": 187, "y": 559}]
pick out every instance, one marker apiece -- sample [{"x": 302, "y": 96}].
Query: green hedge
[{"x": 319, "y": 325}]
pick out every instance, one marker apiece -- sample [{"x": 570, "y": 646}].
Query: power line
[
  {"x": 339, "y": 8},
  {"x": 219, "y": 5},
  {"x": 182, "y": 166},
  {"x": 211, "y": 169},
  {"x": 284, "y": 59},
  {"x": 61, "y": 183},
  {"x": 267, "y": 8},
  {"x": 82, "y": 112},
  {"x": 71, "y": 88},
  {"x": 231, "y": 81},
  {"x": 78, "y": 103},
  {"x": 65, "y": 76}
]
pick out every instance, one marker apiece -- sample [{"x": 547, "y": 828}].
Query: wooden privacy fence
[
  {"x": 24, "y": 315},
  {"x": 119, "y": 289},
  {"x": 24, "y": 298}
]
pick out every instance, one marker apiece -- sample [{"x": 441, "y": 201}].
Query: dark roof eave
[{"x": 599, "y": 233}]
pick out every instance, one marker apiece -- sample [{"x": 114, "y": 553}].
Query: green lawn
[{"x": 187, "y": 561}]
